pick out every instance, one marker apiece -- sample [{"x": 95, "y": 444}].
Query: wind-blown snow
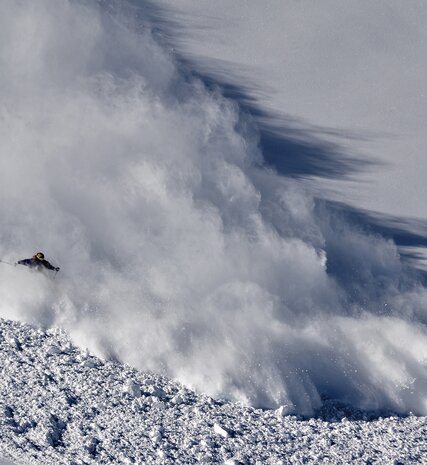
[
  {"x": 347, "y": 68},
  {"x": 179, "y": 252}
]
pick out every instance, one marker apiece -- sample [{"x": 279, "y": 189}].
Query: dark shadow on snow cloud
[{"x": 292, "y": 147}]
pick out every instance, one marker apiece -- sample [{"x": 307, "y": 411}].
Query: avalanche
[{"x": 149, "y": 188}]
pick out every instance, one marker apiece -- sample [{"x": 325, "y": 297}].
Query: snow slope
[
  {"x": 181, "y": 253},
  {"x": 62, "y": 405}
]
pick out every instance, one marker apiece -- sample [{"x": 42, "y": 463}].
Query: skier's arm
[
  {"x": 26, "y": 261},
  {"x": 47, "y": 265}
]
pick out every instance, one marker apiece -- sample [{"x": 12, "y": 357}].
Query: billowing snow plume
[{"x": 179, "y": 252}]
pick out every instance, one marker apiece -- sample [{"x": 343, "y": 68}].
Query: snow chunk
[
  {"x": 89, "y": 363},
  {"x": 132, "y": 388},
  {"x": 156, "y": 435},
  {"x": 92, "y": 446},
  {"x": 54, "y": 350},
  {"x": 221, "y": 431},
  {"x": 207, "y": 442},
  {"x": 284, "y": 410},
  {"x": 178, "y": 400},
  {"x": 13, "y": 341},
  {"x": 157, "y": 392},
  {"x": 56, "y": 430},
  {"x": 231, "y": 462}
]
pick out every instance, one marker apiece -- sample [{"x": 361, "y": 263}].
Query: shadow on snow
[{"x": 292, "y": 147}]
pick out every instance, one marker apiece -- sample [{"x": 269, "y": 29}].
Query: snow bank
[{"x": 179, "y": 252}]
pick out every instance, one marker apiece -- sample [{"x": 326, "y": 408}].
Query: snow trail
[{"x": 179, "y": 252}]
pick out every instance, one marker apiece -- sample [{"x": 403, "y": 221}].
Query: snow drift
[{"x": 179, "y": 252}]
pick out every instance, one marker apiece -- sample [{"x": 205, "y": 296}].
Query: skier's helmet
[{"x": 39, "y": 256}]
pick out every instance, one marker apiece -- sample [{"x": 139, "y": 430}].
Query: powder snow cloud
[{"x": 180, "y": 252}]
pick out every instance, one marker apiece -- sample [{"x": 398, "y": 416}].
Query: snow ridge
[{"x": 62, "y": 405}]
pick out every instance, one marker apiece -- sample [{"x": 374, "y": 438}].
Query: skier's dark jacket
[{"x": 35, "y": 262}]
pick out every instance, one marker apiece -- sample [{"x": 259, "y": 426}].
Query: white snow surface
[{"x": 62, "y": 405}]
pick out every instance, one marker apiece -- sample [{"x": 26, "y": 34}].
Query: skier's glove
[{"x": 57, "y": 268}]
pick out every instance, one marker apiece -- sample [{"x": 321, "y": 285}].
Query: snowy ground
[{"x": 61, "y": 405}]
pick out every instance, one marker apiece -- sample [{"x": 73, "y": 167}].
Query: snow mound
[{"x": 55, "y": 408}]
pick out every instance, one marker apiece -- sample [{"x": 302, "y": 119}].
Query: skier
[{"x": 37, "y": 262}]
